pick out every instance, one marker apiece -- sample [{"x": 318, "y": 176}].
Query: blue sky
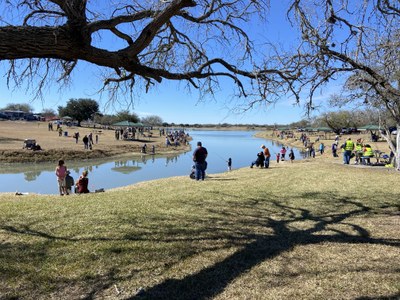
[{"x": 170, "y": 100}]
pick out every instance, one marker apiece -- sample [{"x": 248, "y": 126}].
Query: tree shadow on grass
[
  {"x": 276, "y": 217},
  {"x": 212, "y": 280}
]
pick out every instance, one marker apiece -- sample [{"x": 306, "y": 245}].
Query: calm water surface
[{"x": 241, "y": 146}]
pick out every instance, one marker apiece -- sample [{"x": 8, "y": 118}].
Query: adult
[
  {"x": 85, "y": 141},
  {"x": 199, "y": 158},
  {"x": 76, "y": 137},
  {"x": 348, "y": 150},
  {"x": 61, "y": 173},
  {"x": 267, "y": 156},
  {"x": 82, "y": 183},
  {"x": 259, "y": 162}
]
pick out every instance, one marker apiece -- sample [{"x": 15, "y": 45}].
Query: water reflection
[
  {"x": 32, "y": 176},
  {"x": 241, "y": 146}
]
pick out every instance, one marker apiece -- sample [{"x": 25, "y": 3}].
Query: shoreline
[{"x": 57, "y": 146}]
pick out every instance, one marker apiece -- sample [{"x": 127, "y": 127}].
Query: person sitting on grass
[
  {"x": 82, "y": 183},
  {"x": 69, "y": 183}
]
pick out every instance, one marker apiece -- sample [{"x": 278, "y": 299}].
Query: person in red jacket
[{"x": 82, "y": 183}]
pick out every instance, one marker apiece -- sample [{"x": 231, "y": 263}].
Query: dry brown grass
[
  {"x": 307, "y": 230},
  {"x": 13, "y": 133}
]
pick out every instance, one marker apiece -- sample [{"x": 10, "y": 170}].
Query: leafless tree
[
  {"x": 358, "y": 41},
  {"x": 203, "y": 42},
  {"x": 181, "y": 40}
]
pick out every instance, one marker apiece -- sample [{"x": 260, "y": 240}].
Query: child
[
  {"x": 69, "y": 183},
  {"x": 229, "y": 164},
  {"x": 61, "y": 172},
  {"x": 283, "y": 153},
  {"x": 278, "y": 156},
  {"x": 291, "y": 155}
]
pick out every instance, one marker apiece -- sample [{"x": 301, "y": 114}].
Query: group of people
[
  {"x": 263, "y": 157},
  {"x": 360, "y": 151},
  {"x": 176, "y": 138},
  {"x": 66, "y": 182}
]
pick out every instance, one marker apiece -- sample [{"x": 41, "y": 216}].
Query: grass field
[{"x": 307, "y": 230}]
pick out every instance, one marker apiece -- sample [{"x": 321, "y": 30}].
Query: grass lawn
[{"x": 307, "y": 230}]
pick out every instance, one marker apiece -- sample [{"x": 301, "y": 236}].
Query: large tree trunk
[
  {"x": 25, "y": 42},
  {"x": 394, "y": 147}
]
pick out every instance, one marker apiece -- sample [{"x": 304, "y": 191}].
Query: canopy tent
[
  {"x": 283, "y": 128},
  {"x": 128, "y": 124},
  {"x": 310, "y": 129},
  {"x": 369, "y": 127},
  {"x": 324, "y": 129}
]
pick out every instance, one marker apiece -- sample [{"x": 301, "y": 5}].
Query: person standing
[
  {"x": 334, "y": 149},
  {"x": 76, "y": 137},
  {"x": 321, "y": 148},
  {"x": 229, "y": 164},
  {"x": 283, "y": 153},
  {"x": 61, "y": 173},
  {"x": 348, "y": 150},
  {"x": 291, "y": 155},
  {"x": 267, "y": 156},
  {"x": 199, "y": 158},
  {"x": 85, "y": 141}
]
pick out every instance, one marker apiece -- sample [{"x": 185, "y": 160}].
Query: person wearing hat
[
  {"x": 267, "y": 156},
  {"x": 69, "y": 183},
  {"x": 199, "y": 158},
  {"x": 82, "y": 183}
]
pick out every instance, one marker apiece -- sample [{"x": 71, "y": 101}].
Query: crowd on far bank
[{"x": 361, "y": 151}]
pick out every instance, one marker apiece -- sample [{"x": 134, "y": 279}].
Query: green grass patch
[{"x": 295, "y": 231}]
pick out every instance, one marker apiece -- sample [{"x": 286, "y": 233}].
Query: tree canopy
[
  {"x": 79, "y": 109},
  {"x": 19, "y": 106}
]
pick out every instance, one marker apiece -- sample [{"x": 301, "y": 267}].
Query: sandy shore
[{"x": 55, "y": 147}]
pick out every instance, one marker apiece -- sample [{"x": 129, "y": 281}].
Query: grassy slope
[{"x": 308, "y": 230}]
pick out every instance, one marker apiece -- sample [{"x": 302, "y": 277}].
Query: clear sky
[{"x": 170, "y": 100}]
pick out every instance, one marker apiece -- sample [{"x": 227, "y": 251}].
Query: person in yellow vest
[
  {"x": 348, "y": 150},
  {"x": 367, "y": 154},
  {"x": 359, "y": 151}
]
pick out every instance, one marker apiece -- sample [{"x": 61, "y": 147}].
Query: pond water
[{"x": 241, "y": 146}]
